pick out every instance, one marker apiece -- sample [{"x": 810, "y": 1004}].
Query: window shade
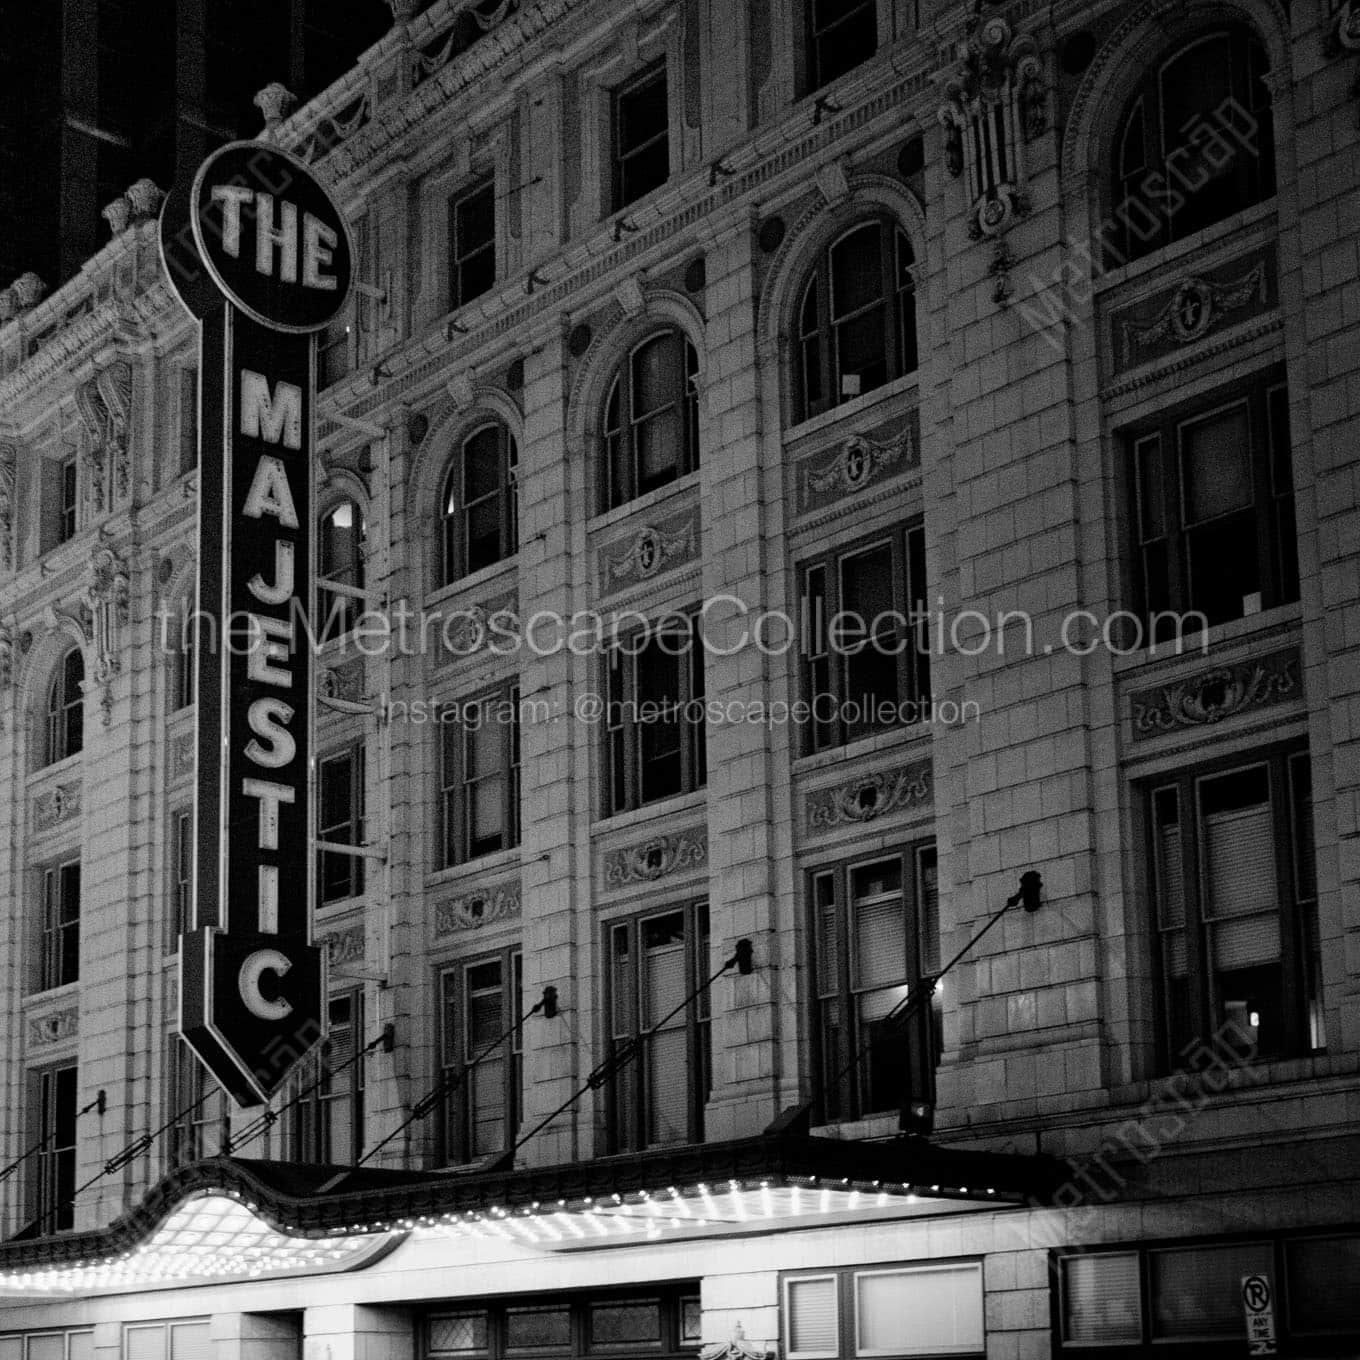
[
  {"x": 48, "y": 1346},
  {"x": 80, "y": 1345},
  {"x": 144, "y": 1343},
  {"x": 11, "y": 1348},
  {"x": 879, "y": 943},
  {"x": 812, "y": 1317},
  {"x": 1240, "y": 861},
  {"x": 1171, "y": 899},
  {"x": 919, "y": 1312},
  {"x": 190, "y": 1341},
  {"x": 1196, "y": 1291},
  {"x": 1100, "y": 1299}
]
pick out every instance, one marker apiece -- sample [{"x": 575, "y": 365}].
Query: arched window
[
  {"x": 340, "y": 558},
  {"x": 480, "y": 511},
  {"x": 856, "y": 326},
  {"x": 651, "y": 418},
  {"x": 1196, "y": 145},
  {"x": 65, "y": 709}
]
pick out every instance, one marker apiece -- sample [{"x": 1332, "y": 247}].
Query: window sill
[
  {"x": 1172, "y": 255},
  {"x": 1201, "y": 646},
  {"x": 650, "y": 812},
  {"x": 1229, "y": 1082},
  {"x": 864, "y": 1130},
  {"x": 608, "y": 518},
  {"x": 54, "y": 771},
  {"x": 507, "y": 567},
  {"x": 482, "y": 867},
  {"x": 897, "y": 739},
  {"x": 52, "y": 996},
  {"x": 857, "y": 407}
]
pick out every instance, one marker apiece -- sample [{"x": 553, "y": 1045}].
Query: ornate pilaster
[
  {"x": 108, "y": 595},
  {"x": 996, "y": 102},
  {"x": 8, "y": 469},
  {"x": 105, "y": 406}
]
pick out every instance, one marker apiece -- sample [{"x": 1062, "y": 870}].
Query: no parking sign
[{"x": 1258, "y": 1302}]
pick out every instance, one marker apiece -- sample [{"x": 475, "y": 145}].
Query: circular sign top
[{"x": 270, "y": 237}]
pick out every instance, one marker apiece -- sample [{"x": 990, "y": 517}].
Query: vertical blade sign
[{"x": 258, "y": 252}]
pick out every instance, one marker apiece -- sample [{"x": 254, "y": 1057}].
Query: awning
[{"x": 228, "y": 1219}]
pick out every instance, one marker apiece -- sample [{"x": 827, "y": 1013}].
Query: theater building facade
[{"x": 1024, "y": 332}]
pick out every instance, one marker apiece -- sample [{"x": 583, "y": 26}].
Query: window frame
[
  {"x": 923, "y": 1042},
  {"x": 353, "y": 826},
  {"x": 340, "y": 614},
  {"x": 189, "y": 1082},
  {"x": 180, "y": 917},
  {"x": 907, "y": 543},
  {"x": 813, "y": 36},
  {"x": 471, "y": 189},
  {"x": 455, "y": 508},
  {"x": 64, "y": 730},
  {"x": 312, "y": 1134},
  {"x": 901, "y": 341},
  {"x": 187, "y": 431},
  {"x": 622, "y": 749},
  {"x": 455, "y": 806},
  {"x": 847, "y": 1306},
  {"x": 458, "y": 1113},
  {"x": 1277, "y": 546},
  {"x": 627, "y": 1113},
  {"x": 59, "y": 935},
  {"x": 620, "y": 477},
  {"x": 54, "y": 1167},
  {"x": 68, "y": 519},
  {"x": 1280, "y": 760},
  {"x": 652, "y": 73}
]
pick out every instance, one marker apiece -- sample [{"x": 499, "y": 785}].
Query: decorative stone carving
[
  {"x": 273, "y": 102},
  {"x": 467, "y": 27},
  {"x": 1196, "y": 305},
  {"x": 464, "y": 631},
  {"x": 477, "y": 908},
  {"x": 6, "y": 655},
  {"x": 881, "y": 793},
  {"x": 117, "y": 214},
  {"x": 460, "y": 390},
  {"x": 145, "y": 198},
  {"x": 182, "y": 756},
  {"x": 628, "y": 294},
  {"x": 655, "y": 858},
  {"x": 856, "y": 464},
  {"x": 1346, "y": 28},
  {"x": 54, "y": 1027},
  {"x": 8, "y": 465},
  {"x": 1212, "y": 696},
  {"x": 105, "y": 407},
  {"x": 107, "y": 595},
  {"x": 344, "y": 946},
  {"x": 738, "y": 1348},
  {"x": 28, "y": 290},
  {"x": 833, "y": 181},
  {"x": 649, "y": 550},
  {"x": 995, "y": 101},
  {"x": 56, "y": 806}
]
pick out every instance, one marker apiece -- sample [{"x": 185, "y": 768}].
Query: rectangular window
[
  {"x": 69, "y": 499},
  {"x": 842, "y": 34},
  {"x": 655, "y": 962},
  {"x": 329, "y": 1121},
  {"x": 875, "y": 932},
  {"x": 55, "y": 1171},
  {"x": 866, "y": 644},
  {"x": 58, "y": 496},
  {"x": 340, "y": 816},
  {"x": 182, "y": 875},
  {"x": 1234, "y": 888},
  {"x": 188, "y": 419},
  {"x": 187, "y": 1340},
  {"x": 480, "y": 1001},
  {"x": 59, "y": 961},
  {"x": 641, "y": 136},
  {"x": 198, "y": 1106},
  {"x": 472, "y": 239},
  {"x": 871, "y": 1312},
  {"x": 655, "y": 735},
  {"x": 333, "y": 350},
  {"x": 479, "y": 775},
  {"x": 1214, "y": 512}
]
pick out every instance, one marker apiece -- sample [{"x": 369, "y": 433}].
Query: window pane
[
  {"x": 1323, "y": 1273},
  {"x": 812, "y": 1317},
  {"x": 642, "y": 113},
  {"x": 1216, "y": 457},
  {"x": 458, "y": 1332},
  {"x": 919, "y": 1312},
  {"x": 856, "y": 271},
  {"x": 1196, "y": 1292},
  {"x": 481, "y": 464},
  {"x": 1101, "y": 1300},
  {"x": 537, "y": 1328},
  {"x": 50, "y": 1346},
  {"x": 626, "y": 1324}
]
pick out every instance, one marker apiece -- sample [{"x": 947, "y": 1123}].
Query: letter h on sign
[{"x": 260, "y": 255}]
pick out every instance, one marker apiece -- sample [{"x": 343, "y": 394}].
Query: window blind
[
  {"x": 144, "y": 1343},
  {"x": 812, "y": 1318},
  {"x": 190, "y": 1341},
  {"x": 1240, "y": 861},
  {"x": 47, "y": 1346},
  {"x": 934, "y": 1311},
  {"x": 80, "y": 1345},
  {"x": 1196, "y": 1291},
  {"x": 11, "y": 1348},
  {"x": 1100, "y": 1299},
  {"x": 1171, "y": 899}
]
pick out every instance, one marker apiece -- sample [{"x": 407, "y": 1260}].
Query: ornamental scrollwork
[
  {"x": 1197, "y": 305},
  {"x": 739, "y": 1348},
  {"x": 56, "y": 806},
  {"x": 1213, "y": 696},
  {"x": 344, "y": 946},
  {"x": 857, "y": 463},
  {"x": 53, "y": 1028},
  {"x": 996, "y": 101},
  {"x": 656, "y": 858},
  {"x": 871, "y": 796},
  {"x": 475, "y": 909},
  {"x": 650, "y": 551}
]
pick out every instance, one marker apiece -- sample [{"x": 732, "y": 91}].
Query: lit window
[
  {"x": 656, "y": 961},
  {"x": 481, "y": 1001},
  {"x": 479, "y": 771},
  {"x": 651, "y": 419},
  {"x": 1235, "y": 885},
  {"x": 1196, "y": 145},
  {"x": 480, "y": 503},
  {"x": 875, "y": 933},
  {"x": 856, "y": 327},
  {"x": 641, "y": 136},
  {"x": 654, "y": 718}
]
